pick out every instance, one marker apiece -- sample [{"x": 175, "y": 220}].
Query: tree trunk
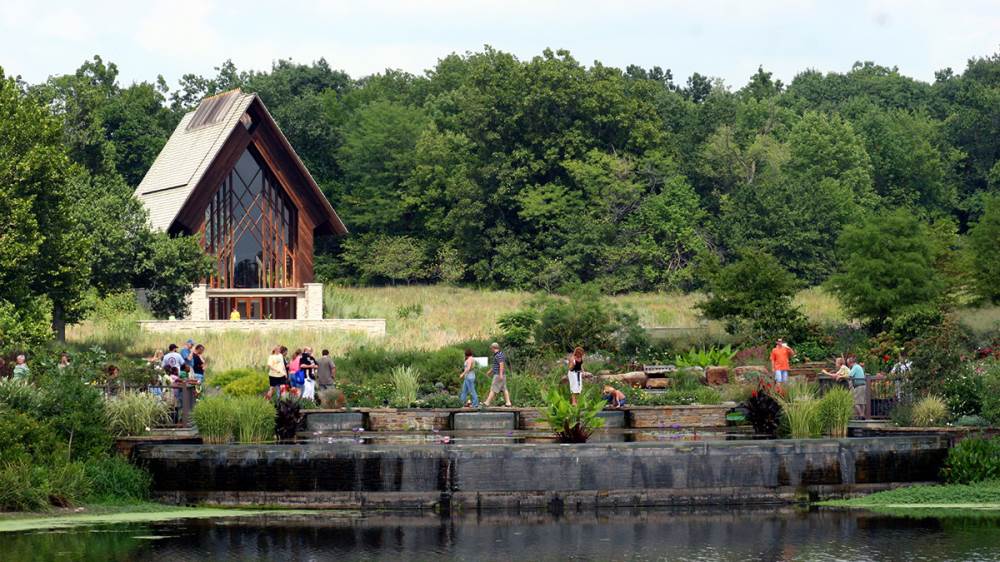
[{"x": 59, "y": 322}]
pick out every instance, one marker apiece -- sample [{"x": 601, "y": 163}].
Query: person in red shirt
[{"x": 781, "y": 355}]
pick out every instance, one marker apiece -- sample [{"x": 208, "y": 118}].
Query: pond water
[{"x": 685, "y": 535}]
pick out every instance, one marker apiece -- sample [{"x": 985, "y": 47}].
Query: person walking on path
[
  {"x": 326, "y": 370},
  {"x": 276, "y": 373},
  {"x": 468, "y": 378},
  {"x": 781, "y": 356},
  {"x": 21, "y": 370},
  {"x": 858, "y": 386},
  {"x": 575, "y": 374},
  {"x": 499, "y": 383},
  {"x": 295, "y": 374},
  {"x": 187, "y": 353}
]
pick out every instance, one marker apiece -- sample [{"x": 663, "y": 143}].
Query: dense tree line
[{"x": 491, "y": 170}]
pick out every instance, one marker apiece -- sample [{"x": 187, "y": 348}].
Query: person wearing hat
[
  {"x": 781, "y": 356},
  {"x": 187, "y": 353}
]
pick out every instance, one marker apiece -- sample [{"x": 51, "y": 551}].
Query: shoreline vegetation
[{"x": 979, "y": 496}]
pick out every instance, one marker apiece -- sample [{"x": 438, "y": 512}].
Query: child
[{"x": 615, "y": 397}]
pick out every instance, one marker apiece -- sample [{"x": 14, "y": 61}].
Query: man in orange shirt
[{"x": 780, "y": 357}]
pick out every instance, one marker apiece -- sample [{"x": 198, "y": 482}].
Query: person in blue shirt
[
  {"x": 858, "y": 386},
  {"x": 187, "y": 354}
]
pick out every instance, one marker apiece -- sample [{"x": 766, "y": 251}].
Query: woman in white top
[
  {"x": 276, "y": 373},
  {"x": 575, "y": 374}
]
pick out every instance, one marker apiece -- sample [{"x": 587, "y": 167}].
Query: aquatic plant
[
  {"x": 572, "y": 423},
  {"x": 706, "y": 357},
  {"x": 974, "y": 459},
  {"x": 800, "y": 408},
  {"x": 286, "y": 416}
]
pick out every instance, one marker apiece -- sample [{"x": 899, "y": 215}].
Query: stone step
[
  {"x": 484, "y": 420},
  {"x": 334, "y": 421}
]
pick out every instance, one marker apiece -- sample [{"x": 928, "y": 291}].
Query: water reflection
[{"x": 688, "y": 535}]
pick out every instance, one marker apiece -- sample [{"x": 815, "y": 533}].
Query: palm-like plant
[{"x": 572, "y": 423}]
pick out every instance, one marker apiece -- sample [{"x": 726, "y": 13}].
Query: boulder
[
  {"x": 634, "y": 378},
  {"x": 658, "y": 383},
  {"x": 717, "y": 375}
]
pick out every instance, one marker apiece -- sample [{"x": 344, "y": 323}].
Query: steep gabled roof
[{"x": 194, "y": 146}]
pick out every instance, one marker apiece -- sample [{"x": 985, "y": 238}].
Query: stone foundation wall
[
  {"x": 373, "y": 327},
  {"x": 646, "y": 417}
]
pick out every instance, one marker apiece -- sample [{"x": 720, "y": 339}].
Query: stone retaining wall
[
  {"x": 409, "y": 420},
  {"x": 646, "y": 417},
  {"x": 449, "y": 477},
  {"x": 373, "y": 327}
]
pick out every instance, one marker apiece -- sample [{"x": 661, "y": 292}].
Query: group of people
[
  {"x": 181, "y": 365},
  {"x": 847, "y": 371},
  {"x": 303, "y": 372},
  {"x": 498, "y": 385}
]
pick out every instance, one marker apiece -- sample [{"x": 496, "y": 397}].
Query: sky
[{"x": 727, "y": 39}]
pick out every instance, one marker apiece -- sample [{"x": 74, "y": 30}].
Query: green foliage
[
  {"x": 986, "y": 492},
  {"x": 985, "y": 252},
  {"x": 801, "y": 410},
  {"x": 410, "y": 311},
  {"x": 938, "y": 356},
  {"x": 215, "y": 418},
  {"x": 974, "y": 459},
  {"x": 113, "y": 479},
  {"x": 175, "y": 265},
  {"x": 572, "y": 423},
  {"x": 135, "y": 413},
  {"x": 991, "y": 394},
  {"x": 384, "y": 257},
  {"x": 967, "y": 389},
  {"x": 929, "y": 411},
  {"x": 23, "y": 486},
  {"x": 517, "y": 328},
  {"x": 673, "y": 397},
  {"x": 255, "y": 384},
  {"x": 404, "y": 384},
  {"x": 706, "y": 357},
  {"x": 23, "y": 327},
  {"x": 753, "y": 296},
  {"x": 222, "y": 379},
  {"x": 835, "y": 410},
  {"x": 439, "y": 400},
  {"x": 887, "y": 265},
  {"x": 254, "y": 419},
  {"x": 915, "y": 322},
  {"x": 372, "y": 393}
]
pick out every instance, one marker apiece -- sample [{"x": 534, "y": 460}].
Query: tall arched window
[{"x": 250, "y": 226}]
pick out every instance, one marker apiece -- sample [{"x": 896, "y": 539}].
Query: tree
[
  {"x": 753, "y": 296},
  {"x": 887, "y": 265},
  {"x": 984, "y": 246},
  {"x": 174, "y": 265},
  {"x": 43, "y": 251}
]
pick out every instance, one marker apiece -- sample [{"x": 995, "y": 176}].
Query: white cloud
[{"x": 181, "y": 28}]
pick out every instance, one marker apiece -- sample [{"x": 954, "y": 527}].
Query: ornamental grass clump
[
  {"x": 255, "y": 419},
  {"x": 930, "y": 411},
  {"x": 135, "y": 413},
  {"x": 215, "y": 418},
  {"x": 405, "y": 382},
  {"x": 572, "y": 423},
  {"x": 801, "y": 409},
  {"x": 835, "y": 411}
]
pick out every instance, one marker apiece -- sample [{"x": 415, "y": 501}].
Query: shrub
[
  {"x": 835, "y": 410},
  {"x": 991, "y": 393},
  {"x": 113, "y": 478},
  {"x": 973, "y": 460},
  {"x": 964, "y": 389},
  {"x": 902, "y": 414},
  {"x": 525, "y": 389},
  {"x": 517, "y": 328},
  {"x": 215, "y": 418},
  {"x": 254, "y": 419},
  {"x": 673, "y": 397},
  {"x": 68, "y": 484},
  {"x": 572, "y": 423},
  {"x": 134, "y": 413},
  {"x": 914, "y": 322},
  {"x": 253, "y": 385},
  {"x": 685, "y": 379},
  {"x": 801, "y": 409},
  {"x": 224, "y": 378},
  {"x": 985, "y": 252},
  {"x": 439, "y": 400},
  {"x": 406, "y": 312},
  {"x": 930, "y": 411},
  {"x": 405, "y": 381},
  {"x": 764, "y": 411},
  {"x": 19, "y": 395},
  {"x": 76, "y": 411},
  {"x": 367, "y": 394},
  {"x": 736, "y": 392},
  {"x": 23, "y": 437},
  {"x": 938, "y": 354}
]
